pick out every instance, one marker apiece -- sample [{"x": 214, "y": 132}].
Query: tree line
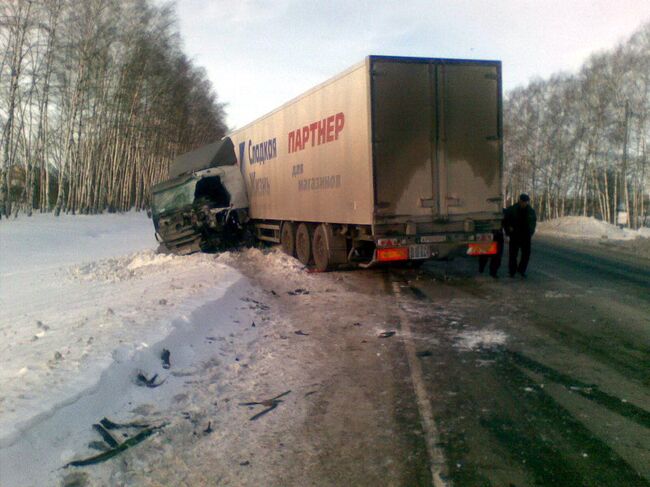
[
  {"x": 578, "y": 143},
  {"x": 96, "y": 98}
]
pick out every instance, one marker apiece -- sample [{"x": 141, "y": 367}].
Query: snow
[
  {"x": 588, "y": 228},
  {"x": 469, "y": 340},
  {"x": 88, "y": 305},
  {"x": 87, "y": 302}
]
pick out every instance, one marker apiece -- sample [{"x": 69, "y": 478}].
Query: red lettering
[
  {"x": 330, "y": 128},
  {"x": 312, "y": 129},
  {"x": 298, "y": 140},
  {"x": 338, "y": 124},
  {"x": 321, "y": 132}
]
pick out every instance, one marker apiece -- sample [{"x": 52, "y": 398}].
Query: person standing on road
[
  {"x": 495, "y": 260},
  {"x": 520, "y": 221}
]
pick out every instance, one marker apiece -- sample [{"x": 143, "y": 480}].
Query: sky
[{"x": 261, "y": 53}]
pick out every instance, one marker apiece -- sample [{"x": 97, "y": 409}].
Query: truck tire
[
  {"x": 303, "y": 243},
  {"x": 288, "y": 238},
  {"x": 329, "y": 249}
]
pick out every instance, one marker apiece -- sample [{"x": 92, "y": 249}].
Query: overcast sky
[{"x": 261, "y": 53}]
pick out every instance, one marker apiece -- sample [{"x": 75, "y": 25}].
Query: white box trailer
[{"x": 396, "y": 158}]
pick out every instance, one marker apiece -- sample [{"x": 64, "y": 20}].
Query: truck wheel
[
  {"x": 288, "y": 239},
  {"x": 329, "y": 250},
  {"x": 319, "y": 247},
  {"x": 303, "y": 243}
]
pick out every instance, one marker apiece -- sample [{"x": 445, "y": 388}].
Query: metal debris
[
  {"x": 142, "y": 380},
  {"x": 165, "y": 356},
  {"x": 270, "y": 404},
  {"x": 298, "y": 292},
  {"x": 102, "y": 457}
]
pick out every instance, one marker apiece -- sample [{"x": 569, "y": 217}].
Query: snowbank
[
  {"x": 73, "y": 304},
  {"x": 588, "y": 228}
]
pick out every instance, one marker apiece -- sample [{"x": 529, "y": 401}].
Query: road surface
[
  {"x": 418, "y": 377},
  {"x": 559, "y": 392}
]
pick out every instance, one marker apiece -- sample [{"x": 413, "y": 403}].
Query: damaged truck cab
[{"x": 203, "y": 206}]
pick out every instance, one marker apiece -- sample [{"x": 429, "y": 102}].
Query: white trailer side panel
[{"x": 310, "y": 160}]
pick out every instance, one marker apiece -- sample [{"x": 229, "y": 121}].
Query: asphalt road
[{"x": 537, "y": 381}]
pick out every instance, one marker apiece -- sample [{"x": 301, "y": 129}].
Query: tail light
[
  {"x": 394, "y": 254},
  {"x": 482, "y": 248}
]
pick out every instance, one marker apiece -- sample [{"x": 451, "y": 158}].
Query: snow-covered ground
[
  {"x": 588, "y": 231},
  {"x": 87, "y": 309},
  {"x": 87, "y": 305},
  {"x": 589, "y": 228}
]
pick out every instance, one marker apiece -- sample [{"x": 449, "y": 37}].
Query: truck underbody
[{"x": 327, "y": 246}]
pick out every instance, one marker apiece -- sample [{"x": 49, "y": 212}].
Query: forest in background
[
  {"x": 96, "y": 98},
  {"x": 578, "y": 143}
]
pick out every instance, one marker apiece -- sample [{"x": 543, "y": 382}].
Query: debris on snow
[
  {"x": 165, "y": 356},
  {"x": 117, "y": 449},
  {"x": 270, "y": 405},
  {"x": 142, "y": 380},
  {"x": 386, "y": 334},
  {"x": 298, "y": 292}
]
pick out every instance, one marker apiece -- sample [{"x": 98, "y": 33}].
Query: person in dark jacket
[
  {"x": 495, "y": 260},
  {"x": 520, "y": 221}
]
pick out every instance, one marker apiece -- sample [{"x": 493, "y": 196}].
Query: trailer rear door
[
  {"x": 470, "y": 180},
  {"x": 436, "y": 138},
  {"x": 403, "y": 116}
]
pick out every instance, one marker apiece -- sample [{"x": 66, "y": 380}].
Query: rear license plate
[
  {"x": 433, "y": 238},
  {"x": 419, "y": 252}
]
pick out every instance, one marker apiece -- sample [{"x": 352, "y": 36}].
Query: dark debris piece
[
  {"x": 209, "y": 429},
  {"x": 356, "y": 324},
  {"x": 245, "y": 464},
  {"x": 270, "y": 404},
  {"x": 102, "y": 457},
  {"x": 302, "y": 333},
  {"x": 99, "y": 445},
  {"x": 110, "y": 425},
  {"x": 386, "y": 334},
  {"x": 108, "y": 438},
  {"x": 298, "y": 292},
  {"x": 165, "y": 356},
  {"x": 424, "y": 353},
  {"x": 142, "y": 380}
]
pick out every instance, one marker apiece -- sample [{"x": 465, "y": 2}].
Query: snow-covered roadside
[
  {"x": 583, "y": 227},
  {"x": 78, "y": 321},
  {"x": 588, "y": 231}
]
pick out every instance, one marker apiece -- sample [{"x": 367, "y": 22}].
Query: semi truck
[{"x": 395, "y": 159}]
